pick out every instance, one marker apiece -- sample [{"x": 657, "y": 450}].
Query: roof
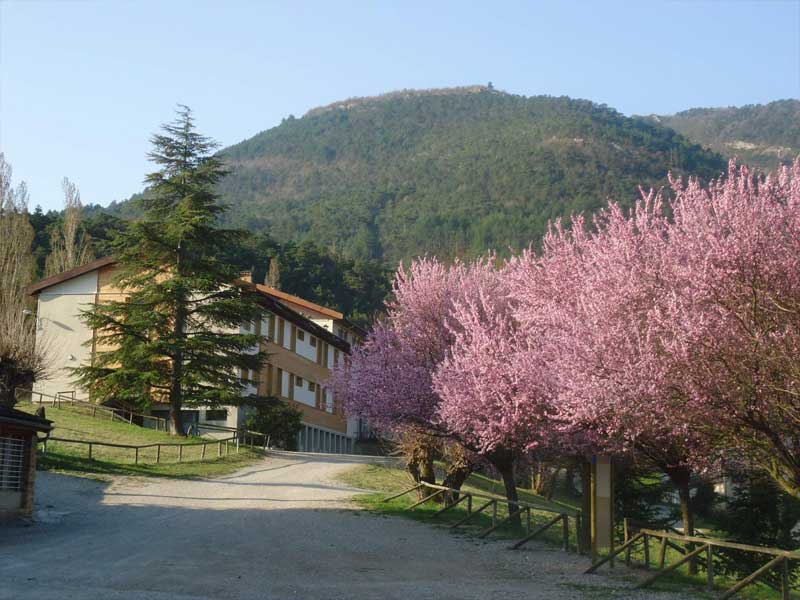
[
  {"x": 266, "y": 294},
  {"x": 279, "y": 308},
  {"x": 333, "y": 314},
  {"x": 12, "y": 416},
  {"x": 71, "y": 274}
]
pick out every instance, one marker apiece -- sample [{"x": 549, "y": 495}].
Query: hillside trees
[
  {"x": 20, "y": 362},
  {"x": 70, "y": 244},
  {"x": 450, "y": 173},
  {"x": 176, "y": 337}
]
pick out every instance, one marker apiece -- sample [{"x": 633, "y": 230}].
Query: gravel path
[{"x": 281, "y": 529}]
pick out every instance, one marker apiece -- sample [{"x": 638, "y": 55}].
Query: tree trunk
[
  {"x": 459, "y": 468},
  {"x": 175, "y": 418},
  {"x": 503, "y": 461},
  {"x": 456, "y": 475},
  {"x": 427, "y": 473},
  {"x": 586, "y": 505},
  {"x": 681, "y": 478},
  {"x": 179, "y": 333},
  {"x": 543, "y": 478}
]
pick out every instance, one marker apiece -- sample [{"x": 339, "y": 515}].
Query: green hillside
[
  {"x": 449, "y": 172},
  {"x": 764, "y": 135}
]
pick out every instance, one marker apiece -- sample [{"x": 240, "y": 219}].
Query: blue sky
[{"x": 84, "y": 84}]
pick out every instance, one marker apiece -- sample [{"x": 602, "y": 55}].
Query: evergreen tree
[{"x": 176, "y": 336}]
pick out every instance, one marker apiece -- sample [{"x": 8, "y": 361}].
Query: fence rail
[
  {"x": 91, "y": 444},
  {"x": 454, "y": 497},
  {"x": 703, "y": 545},
  {"x": 68, "y": 398}
]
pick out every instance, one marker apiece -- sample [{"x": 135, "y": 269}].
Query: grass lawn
[
  {"x": 392, "y": 480},
  {"x": 73, "y": 458}
]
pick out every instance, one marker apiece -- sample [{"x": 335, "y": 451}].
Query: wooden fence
[
  {"x": 695, "y": 548},
  {"x": 90, "y": 444},
  {"x": 454, "y": 497},
  {"x": 113, "y": 414}
]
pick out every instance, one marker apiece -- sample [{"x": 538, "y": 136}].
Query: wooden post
[
  {"x": 203, "y": 453},
  {"x": 94, "y": 411},
  {"x": 565, "y": 533},
  {"x": 219, "y": 449},
  {"x": 662, "y": 554},
  {"x": 136, "y": 456},
  {"x": 785, "y": 583},
  {"x": 646, "y": 551},
  {"x": 469, "y": 500},
  {"x": 158, "y": 453},
  {"x": 226, "y": 448},
  {"x": 626, "y": 532},
  {"x": 237, "y": 444},
  {"x": 528, "y": 521},
  {"x": 710, "y": 570},
  {"x": 494, "y": 513},
  {"x": 592, "y": 519},
  {"x": 90, "y": 451},
  {"x": 180, "y": 453}
]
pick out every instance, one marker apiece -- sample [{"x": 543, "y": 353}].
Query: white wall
[
  {"x": 325, "y": 323},
  {"x": 287, "y": 335},
  {"x": 284, "y": 384},
  {"x": 304, "y": 348},
  {"x": 303, "y": 394},
  {"x": 330, "y": 356},
  {"x": 60, "y": 332}
]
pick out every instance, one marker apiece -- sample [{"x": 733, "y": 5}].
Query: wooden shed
[{"x": 18, "y": 438}]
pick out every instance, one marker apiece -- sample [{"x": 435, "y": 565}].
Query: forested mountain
[
  {"x": 764, "y": 135},
  {"x": 449, "y": 172}
]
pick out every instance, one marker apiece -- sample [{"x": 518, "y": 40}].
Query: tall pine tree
[{"x": 176, "y": 336}]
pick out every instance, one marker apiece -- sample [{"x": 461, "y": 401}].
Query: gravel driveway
[{"x": 280, "y": 529}]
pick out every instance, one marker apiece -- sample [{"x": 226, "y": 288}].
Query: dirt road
[{"x": 281, "y": 529}]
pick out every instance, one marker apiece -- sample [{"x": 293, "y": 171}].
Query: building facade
[{"x": 301, "y": 351}]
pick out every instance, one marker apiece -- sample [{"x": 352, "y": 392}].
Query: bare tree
[
  {"x": 71, "y": 246},
  {"x": 20, "y": 364},
  {"x": 274, "y": 274}
]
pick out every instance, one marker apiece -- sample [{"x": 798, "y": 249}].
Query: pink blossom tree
[
  {"x": 733, "y": 321},
  {"x": 494, "y": 391},
  {"x": 595, "y": 299},
  {"x": 388, "y": 380}
]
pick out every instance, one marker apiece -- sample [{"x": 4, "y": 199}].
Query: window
[
  {"x": 301, "y": 335},
  {"x": 312, "y": 386},
  {"x": 298, "y": 381},
  {"x": 217, "y": 415},
  {"x": 313, "y": 341}
]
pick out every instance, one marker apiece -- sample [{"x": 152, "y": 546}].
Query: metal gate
[{"x": 12, "y": 461}]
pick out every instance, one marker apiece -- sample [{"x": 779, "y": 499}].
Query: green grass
[
  {"x": 71, "y": 423},
  {"x": 391, "y": 480},
  {"x": 387, "y": 481}
]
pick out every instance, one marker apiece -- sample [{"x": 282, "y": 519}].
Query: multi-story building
[{"x": 297, "y": 335}]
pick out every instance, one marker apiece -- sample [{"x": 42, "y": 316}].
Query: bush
[{"x": 277, "y": 419}]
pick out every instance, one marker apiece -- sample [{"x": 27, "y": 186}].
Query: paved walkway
[{"x": 281, "y": 529}]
